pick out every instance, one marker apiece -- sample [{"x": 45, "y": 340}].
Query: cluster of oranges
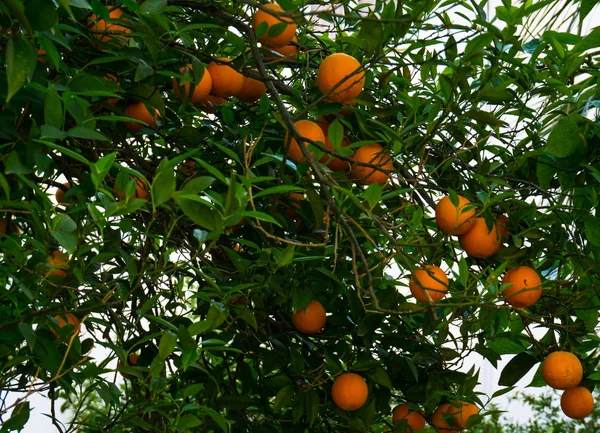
[
  {"x": 523, "y": 285},
  {"x": 563, "y": 371}
]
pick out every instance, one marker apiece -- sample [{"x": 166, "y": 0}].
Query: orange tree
[{"x": 220, "y": 170}]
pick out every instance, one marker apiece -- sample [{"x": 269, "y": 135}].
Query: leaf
[
  {"x": 18, "y": 417},
  {"x": 53, "y": 110},
  {"x": 14, "y": 164},
  {"x": 516, "y": 369},
  {"x": 283, "y": 398},
  {"x": 17, "y": 9},
  {"x": 101, "y": 168},
  {"x": 42, "y": 14},
  {"x": 21, "y": 59},
  {"x": 163, "y": 186},
  {"x": 380, "y": 376},
  {"x": 335, "y": 133},
  {"x": 188, "y": 421},
  {"x": 373, "y": 194},
  {"x": 167, "y": 344},
  {"x": 565, "y": 138},
  {"x": 86, "y": 133},
  {"x": 505, "y": 346},
  {"x": 592, "y": 40},
  {"x": 483, "y": 117},
  {"x": 591, "y": 227},
  {"x": 199, "y": 213},
  {"x": 585, "y": 8},
  {"x": 476, "y": 45},
  {"x": 153, "y": 6},
  {"x": 371, "y": 33}
]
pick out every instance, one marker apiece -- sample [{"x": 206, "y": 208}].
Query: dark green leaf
[
  {"x": 42, "y": 14},
  {"x": 167, "y": 344},
  {"x": 21, "y": 59},
  {"x": 516, "y": 369},
  {"x": 566, "y": 137}
]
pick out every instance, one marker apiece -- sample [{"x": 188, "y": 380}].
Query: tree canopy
[{"x": 183, "y": 226}]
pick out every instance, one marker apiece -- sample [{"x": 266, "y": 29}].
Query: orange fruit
[
  {"x": 57, "y": 263},
  {"x": 139, "y": 111},
  {"x": 310, "y": 320},
  {"x": 60, "y": 193},
  {"x": 376, "y": 155},
  {"x": 333, "y": 71},
  {"x": 562, "y": 370},
  {"x": 502, "y": 223},
  {"x": 415, "y": 419},
  {"x": 111, "y": 77},
  {"x": 132, "y": 359},
  {"x": 272, "y": 40},
  {"x": 349, "y": 391},
  {"x": 308, "y": 130},
  {"x": 453, "y": 417},
  {"x": 577, "y": 403},
  {"x": 226, "y": 81},
  {"x": 4, "y": 226},
  {"x": 289, "y": 51},
  {"x": 141, "y": 190},
  {"x": 480, "y": 241},
  {"x": 109, "y": 33},
  {"x": 211, "y": 102},
  {"x": 67, "y": 319},
  {"x": 189, "y": 167},
  {"x": 201, "y": 90},
  {"x": 429, "y": 284},
  {"x": 454, "y": 220},
  {"x": 526, "y": 287},
  {"x": 41, "y": 52},
  {"x": 334, "y": 164},
  {"x": 252, "y": 90}
]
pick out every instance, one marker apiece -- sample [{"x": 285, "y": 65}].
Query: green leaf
[
  {"x": 163, "y": 186},
  {"x": 18, "y": 417},
  {"x": 21, "y": 59},
  {"x": 198, "y": 184},
  {"x": 199, "y": 213},
  {"x": 65, "y": 232},
  {"x": 153, "y": 6},
  {"x": 476, "y": 45},
  {"x": 506, "y": 346},
  {"x": 312, "y": 406},
  {"x": 86, "y": 133},
  {"x": 516, "y": 369},
  {"x": 283, "y": 398},
  {"x": 167, "y": 344},
  {"x": 380, "y": 376},
  {"x": 53, "y": 110},
  {"x": 371, "y": 33},
  {"x": 373, "y": 194},
  {"x": 483, "y": 117},
  {"x": 14, "y": 164},
  {"x": 101, "y": 168},
  {"x": 591, "y": 227},
  {"x": 188, "y": 421},
  {"x": 335, "y": 133},
  {"x": 42, "y": 14},
  {"x": 17, "y": 9},
  {"x": 565, "y": 138},
  {"x": 592, "y": 40}
]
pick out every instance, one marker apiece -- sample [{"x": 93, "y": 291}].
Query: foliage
[{"x": 202, "y": 277}]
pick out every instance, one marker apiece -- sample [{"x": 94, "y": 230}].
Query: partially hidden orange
[
  {"x": 64, "y": 320},
  {"x": 525, "y": 289},
  {"x": 57, "y": 264},
  {"x": 453, "y": 417},
  {"x": 479, "y": 241},
  {"x": 201, "y": 90},
  {"x": 340, "y": 77},
  {"x": 428, "y": 284},
  {"x": 141, "y": 190},
  {"x": 252, "y": 90},
  {"x": 334, "y": 163},
  {"x": 577, "y": 403},
  {"x": 376, "y": 155},
  {"x": 312, "y": 319},
  {"x": 112, "y": 34},
  {"x": 454, "y": 219},
  {"x": 139, "y": 111},
  {"x": 277, "y": 34},
  {"x": 308, "y": 130},
  {"x": 226, "y": 81},
  {"x": 415, "y": 421}
]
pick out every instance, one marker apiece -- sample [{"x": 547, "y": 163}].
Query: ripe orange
[
  {"x": 201, "y": 90},
  {"x": 109, "y": 33},
  {"x": 111, "y": 77},
  {"x": 57, "y": 263},
  {"x": 460, "y": 412},
  {"x": 141, "y": 190},
  {"x": 132, "y": 359},
  {"x": 226, "y": 81},
  {"x": 67, "y": 319},
  {"x": 333, "y": 70},
  {"x": 211, "y": 102},
  {"x": 60, "y": 193},
  {"x": 349, "y": 391},
  {"x": 289, "y": 51},
  {"x": 577, "y": 403},
  {"x": 479, "y": 241},
  {"x": 252, "y": 90},
  {"x": 334, "y": 164},
  {"x": 454, "y": 220},
  {"x": 415, "y": 419},
  {"x": 139, "y": 111},
  {"x": 281, "y": 39},
  {"x": 308, "y": 130},
  {"x": 562, "y": 370},
  {"x": 376, "y": 155},
  {"x": 429, "y": 284},
  {"x": 526, "y": 287},
  {"x": 310, "y": 320}
]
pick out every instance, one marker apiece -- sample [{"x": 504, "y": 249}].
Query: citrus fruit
[
  {"x": 210, "y": 103},
  {"x": 334, "y": 164},
  {"x": 526, "y": 287},
  {"x": 332, "y": 74},
  {"x": 108, "y": 32},
  {"x": 349, "y": 391},
  {"x": 452, "y": 417},
  {"x": 310, "y": 320},
  {"x": 226, "y": 81},
  {"x": 252, "y": 90},
  {"x": 57, "y": 263},
  {"x": 577, "y": 403},
  {"x": 201, "y": 90},
  {"x": 562, "y": 370},
  {"x": 480, "y": 241},
  {"x": 139, "y": 111},
  {"x": 277, "y": 34},
  {"x": 4, "y": 226},
  {"x": 308, "y": 130},
  {"x": 429, "y": 284},
  {"x": 454, "y": 220},
  {"x": 60, "y": 193},
  {"x": 64, "y": 320},
  {"x": 141, "y": 190},
  {"x": 289, "y": 51},
  {"x": 415, "y": 420},
  {"x": 376, "y": 155},
  {"x": 132, "y": 359}
]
